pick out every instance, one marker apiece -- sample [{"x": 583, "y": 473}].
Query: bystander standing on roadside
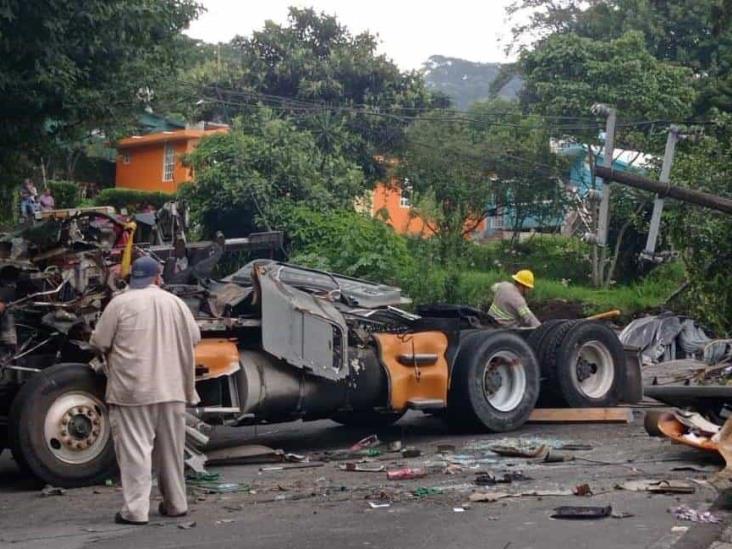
[
  {"x": 47, "y": 201},
  {"x": 148, "y": 335},
  {"x": 28, "y": 199}
]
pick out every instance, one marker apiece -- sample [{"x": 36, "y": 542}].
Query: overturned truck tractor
[
  {"x": 284, "y": 343},
  {"x": 280, "y": 343}
]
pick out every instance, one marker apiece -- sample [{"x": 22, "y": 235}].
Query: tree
[
  {"x": 243, "y": 177},
  {"x": 697, "y": 35},
  {"x": 703, "y": 237},
  {"x": 566, "y": 74},
  {"x": 68, "y": 68},
  {"x": 447, "y": 169},
  {"x": 314, "y": 70},
  {"x": 527, "y": 175}
]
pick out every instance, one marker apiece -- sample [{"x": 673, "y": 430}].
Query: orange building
[
  {"x": 395, "y": 200},
  {"x": 152, "y": 162}
]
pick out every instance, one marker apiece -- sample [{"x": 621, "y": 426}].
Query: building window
[
  {"x": 168, "y": 162},
  {"x": 405, "y": 197},
  {"x": 126, "y": 157}
]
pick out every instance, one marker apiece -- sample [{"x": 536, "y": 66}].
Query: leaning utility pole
[
  {"x": 668, "y": 158},
  {"x": 706, "y": 200}
]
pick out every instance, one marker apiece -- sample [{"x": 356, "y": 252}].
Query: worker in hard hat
[{"x": 509, "y": 308}]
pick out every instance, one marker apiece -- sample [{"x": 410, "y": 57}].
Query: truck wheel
[
  {"x": 589, "y": 366},
  {"x": 495, "y": 383},
  {"x": 367, "y": 418},
  {"x": 59, "y": 427},
  {"x": 538, "y": 338}
]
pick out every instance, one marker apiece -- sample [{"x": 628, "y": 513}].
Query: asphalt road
[{"x": 326, "y": 507}]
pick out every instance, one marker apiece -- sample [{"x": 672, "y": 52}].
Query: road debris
[
  {"x": 582, "y": 512},
  {"x": 395, "y": 446},
  {"x": 187, "y": 525},
  {"x": 426, "y": 491},
  {"x": 582, "y": 490},
  {"x": 621, "y": 515},
  {"x": 362, "y": 468},
  {"x": 657, "y": 486},
  {"x": 49, "y": 490},
  {"x": 495, "y": 496},
  {"x": 445, "y": 448},
  {"x": 489, "y": 479},
  {"x": 411, "y": 453},
  {"x": 684, "y": 512},
  {"x": 489, "y": 496},
  {"x": 575, "y": 447},
  {"x": 406, "y": 473},
  {"x": 307, "y": 465},
  {"x": 366, "y": 442},
  {"x": 244, "y": 454},
  {"x": 522, "y": 452},
  {"x": 374, "y": 505}
]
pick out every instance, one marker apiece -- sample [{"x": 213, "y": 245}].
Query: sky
[{"x": 410, "y": 31}]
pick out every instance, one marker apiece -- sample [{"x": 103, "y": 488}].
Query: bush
[
  {"x": 66, "y": 194},
  {"x": 345, "y": 242},
  {"x": 548, "y": 256},
  {"x": 132, "y": 200}
]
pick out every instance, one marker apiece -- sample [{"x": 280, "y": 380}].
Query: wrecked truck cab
[{"x": 280, "y": 343}]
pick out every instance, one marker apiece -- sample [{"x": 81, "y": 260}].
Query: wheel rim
[
  {"x": 76, "y": 428},
  {"x": 504, "y": 381},
  {"x": 594, "y": 370}
]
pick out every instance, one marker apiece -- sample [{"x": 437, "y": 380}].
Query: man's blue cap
[{"x": 144, "y": 271}]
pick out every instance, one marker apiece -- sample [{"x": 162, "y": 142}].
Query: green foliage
[
  {"x": 704, "y": 237},
  {"x": 243, "y": 177},
  {"x": 345, "y": 242},
  {"x": 548, "y": 256},
  {"x": 132, "y": 200},
  {"x": 525, "y": 172},
  {"x": 566, "y": 74},
  {"x": 473, "y": 287},
  {"x": 70, "y": 67},
  {"x": 315, "y": 60},
  {"x": 446, "y": 169},
  {"x": 694, "y": 34},
  {"x": 65, "y": 193}
]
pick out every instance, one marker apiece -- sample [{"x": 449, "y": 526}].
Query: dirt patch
[{"x": 558, "y": 308}]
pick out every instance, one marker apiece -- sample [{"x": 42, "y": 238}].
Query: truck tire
[
  {"x": 59, "y": 427},
  {"x": 495, "y": 383},
  {"x": 588, "y": 365},
  {"x": 367, "y": 418},
  {"x": 537, "y": 339}
]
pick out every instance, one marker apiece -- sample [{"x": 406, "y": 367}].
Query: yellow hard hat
[{"x": 524, "y": 277}]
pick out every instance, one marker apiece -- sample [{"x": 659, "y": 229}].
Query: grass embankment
[{"x": 473, "y": 288}]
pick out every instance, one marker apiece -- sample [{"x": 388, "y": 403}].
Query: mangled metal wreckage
[{"x": 280, "y": 343}]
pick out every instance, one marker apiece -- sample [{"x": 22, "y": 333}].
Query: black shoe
[
  {"x": 119, "y": 519},
  {"x": 164, "y": 511}
]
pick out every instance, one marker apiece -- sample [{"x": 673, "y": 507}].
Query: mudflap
[{"x": 633, "y": 387}]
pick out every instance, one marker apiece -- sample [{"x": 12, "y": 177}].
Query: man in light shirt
[{"x": 148, "y": 335}]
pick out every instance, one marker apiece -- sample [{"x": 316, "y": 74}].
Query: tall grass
[{"x": 472, "y": 287}]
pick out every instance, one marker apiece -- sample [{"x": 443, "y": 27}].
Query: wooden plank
[{"x": 581, "y": 415}]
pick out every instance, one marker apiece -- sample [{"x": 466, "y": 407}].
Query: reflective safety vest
[{"x": 509, "y": 308}]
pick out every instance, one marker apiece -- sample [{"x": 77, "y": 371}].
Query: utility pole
[
  {"x": 707, "y": 200},
  {"x": 603, "y": 219},
  {"x": 668, "y": 158}
]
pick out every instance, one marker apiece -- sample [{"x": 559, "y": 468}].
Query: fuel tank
[{"x": 273, "y": 391}]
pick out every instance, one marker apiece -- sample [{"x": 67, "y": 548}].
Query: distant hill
[{"x": 466, "y": 82}]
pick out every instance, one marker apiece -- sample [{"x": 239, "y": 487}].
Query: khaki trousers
[{"x": 147, "y": 437}]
